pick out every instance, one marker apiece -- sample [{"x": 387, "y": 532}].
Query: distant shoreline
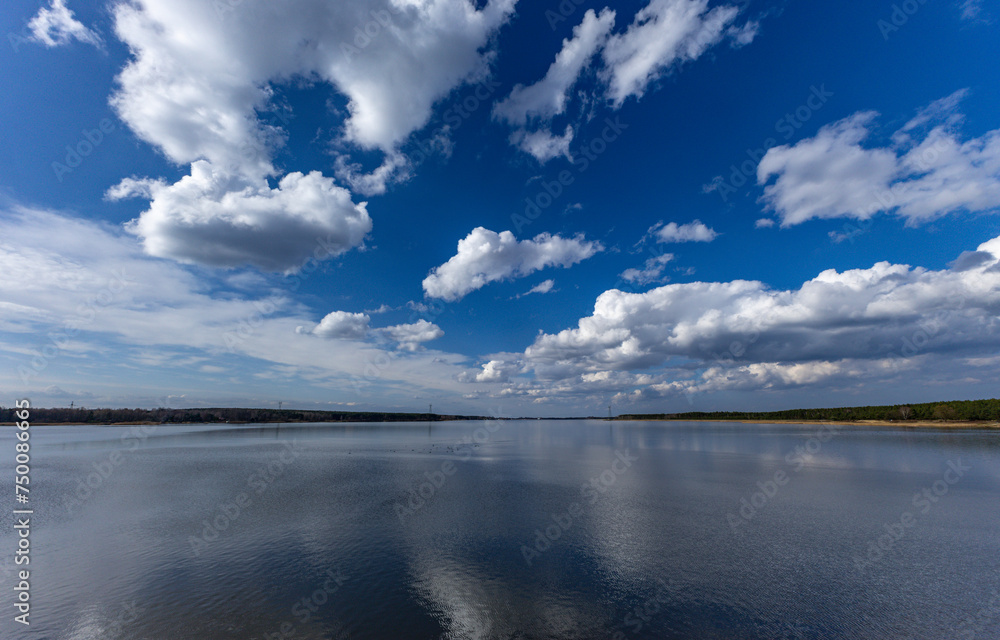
[
  {"x": 915, "y": 424},
  {"x": 919, "y": 424},
  {"x": 955, "y": 414}
]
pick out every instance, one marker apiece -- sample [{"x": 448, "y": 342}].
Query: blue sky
[{"x": 753, "y": 205}]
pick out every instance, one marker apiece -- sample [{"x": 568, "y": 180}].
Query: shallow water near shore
[{"x": 510, "y": 529}]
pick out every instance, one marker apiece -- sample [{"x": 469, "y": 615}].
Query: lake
[{"x": 509, "y": 529}]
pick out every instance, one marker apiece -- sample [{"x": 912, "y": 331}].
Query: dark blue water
[{"x": 528, "y": 529}]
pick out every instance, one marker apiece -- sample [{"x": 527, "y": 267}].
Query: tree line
[
  {"x": 179, "y": 416},
  {"x": 956, "y": 410}
]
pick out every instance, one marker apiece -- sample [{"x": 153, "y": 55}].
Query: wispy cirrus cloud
[{"x": 661, "y": 36}]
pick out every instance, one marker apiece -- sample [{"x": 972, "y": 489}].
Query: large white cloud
[
  {"x": 742, "y": 334},
  {"x": 201, "y": 85},
  {"x": 226, "y": 221},
  {"x": 833, "y": 175},
  {"x": 486, "y": 256},
  {"x": 197, "y": 75}
]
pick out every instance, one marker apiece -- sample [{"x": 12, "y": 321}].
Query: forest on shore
[
  {"x": 953, "y": 411},
  {"x": 80, "y": 415}
]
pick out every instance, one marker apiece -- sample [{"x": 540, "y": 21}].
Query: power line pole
[{"x": 430, "y": 408}]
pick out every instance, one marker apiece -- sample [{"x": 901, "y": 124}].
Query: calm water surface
[{"x": 514, "y": 530}]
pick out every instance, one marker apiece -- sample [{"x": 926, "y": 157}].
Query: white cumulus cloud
[
  {"x": 695, "y": 231},
  {"x": 201, "y": 86},
  {"x": 56, "y": 26},
  {"x": 225, "y": 221},
  {"x": 343, "y": 325},
  {"x": 411, "y": 336},
  {"x": 919, "y": 178},
  {"x": 701, "y": 336},
  {"x": 486, "y": 256},
  {"x": 542, "y": 145},
  {"x": 493, "y": 371}
]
